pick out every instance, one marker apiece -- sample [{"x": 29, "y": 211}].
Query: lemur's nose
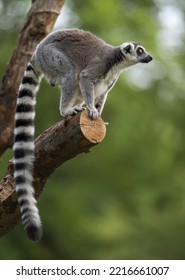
[{"x": 148, "y": 58}]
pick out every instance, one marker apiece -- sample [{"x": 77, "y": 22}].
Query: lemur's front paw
[{"x": 93, "y": 113}]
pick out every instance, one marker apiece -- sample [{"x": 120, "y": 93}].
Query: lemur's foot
[
  {"x": 72, "y": 111},
  {"x": 77, "y": 109}
]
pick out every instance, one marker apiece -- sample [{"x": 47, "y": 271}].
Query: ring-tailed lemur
[{"x": 85, "y": 68}]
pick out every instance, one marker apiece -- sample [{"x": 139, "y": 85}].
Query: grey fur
[{"x": 85, "y": 68}]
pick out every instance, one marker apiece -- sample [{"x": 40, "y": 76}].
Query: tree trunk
[
  {"x": 63, "y": 141},
  {"x": 39, "y": 22}
]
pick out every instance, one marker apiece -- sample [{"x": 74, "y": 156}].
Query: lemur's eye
[{"x": 140, "y": 50}]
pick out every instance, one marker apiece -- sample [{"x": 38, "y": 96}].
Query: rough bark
[
  {"x": 56, "y": 145},
  {"x": 39, "y": 22}
]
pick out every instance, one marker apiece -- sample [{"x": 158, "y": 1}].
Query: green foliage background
[{"x": 125, "y": 199}]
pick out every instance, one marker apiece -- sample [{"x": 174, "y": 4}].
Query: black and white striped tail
[{"x": 24, "y": 153}]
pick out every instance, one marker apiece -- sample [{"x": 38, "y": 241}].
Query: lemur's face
[{"x": 134, "y": 53}]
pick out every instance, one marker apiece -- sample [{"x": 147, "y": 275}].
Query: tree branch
[
  {"x": 39, "y": 22},
  {"x": 56, "y": 145},
  {"x": 63, "y": 141}
]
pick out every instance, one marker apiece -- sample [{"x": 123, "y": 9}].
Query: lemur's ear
[{"x": 127, "y": 48}]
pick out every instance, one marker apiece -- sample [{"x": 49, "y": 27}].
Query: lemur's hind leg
[{"x": 71, "y": 100}]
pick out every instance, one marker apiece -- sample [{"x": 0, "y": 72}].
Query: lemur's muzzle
[{"x": 147, "y": 59}]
